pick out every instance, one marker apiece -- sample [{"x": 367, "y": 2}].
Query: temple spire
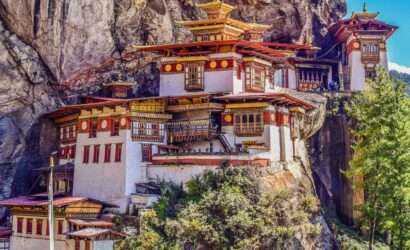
[{"x": 365, "y": 7}]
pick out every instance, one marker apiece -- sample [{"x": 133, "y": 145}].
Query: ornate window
[
  {"x": 194, "y": 77},
  {"x": 255, "y": 76},
  {"x": 148, "y": 131},
  {"x": 248, "y": 124},
  {"x": 370, "y": 51}
]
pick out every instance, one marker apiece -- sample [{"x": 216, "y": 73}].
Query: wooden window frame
[
  {"x": 39, "y": 226},
  {"x": 29, "y": 226},
  {"x": 370, "y": 73},
  {"x": 146, "y": 152},
  {"x": 115, "y": 127},
  {"x": 370, "y": 51},
  {"x": 20, "y": 223},
  {"x": 60, "y": 227},
  {"x": 118, "y": 152},
  {"x": 72, "y": 152},
  {"x": 150, "y": 131},
  {"x": 86, "y": 154},
  {"x": 93, "y": 129},
  {"x": 255, "y": 77},
  {"x": 96, "y": 153},
  {"x": 248, "y": 124},
  {"x": 107, "y": 153},
  {"x": 194, "y": 76},
  {"x": 87, "y": 245}
]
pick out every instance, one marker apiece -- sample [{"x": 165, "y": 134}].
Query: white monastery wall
[
  {"x": 22, "y": 243},
  {"x": 214, "y": 81},
  {"x": 177, "y": 174},
  {"x": 357, "y": 73},
  {"x": 101, "y": 181},
  {"x": 103, "y": 245}
]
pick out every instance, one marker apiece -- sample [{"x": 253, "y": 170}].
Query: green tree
[
  {"x": 226, "y": 210},
  {"x": 382, "y": 157}
]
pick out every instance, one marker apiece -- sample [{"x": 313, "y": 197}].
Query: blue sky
[{"x": 396, "y": 12}]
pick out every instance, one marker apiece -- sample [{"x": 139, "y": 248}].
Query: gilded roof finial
[{"x": 365, "y": 6}]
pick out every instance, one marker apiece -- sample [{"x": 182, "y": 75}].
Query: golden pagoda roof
[
  {"x": 216, "y": 8},
  {"x": 365, "y": 14}
]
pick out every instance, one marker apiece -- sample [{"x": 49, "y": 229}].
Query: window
[
  {"x": 39, "y": 226},
  {"x": 278, "y": 78},
  {"x": 370, "y": 73},
  {"x": 48, "y": 228},
  {"x": 147, "y": 131},
  {"x": 87, "y": 245},
  {"x": 29, "y": 224},
  {"x": 254, "y": 78},
  {"x": 370, "y": 51},
  {"x": 20, "y": 225},
  {"x": 71, "y": 132},
  {"x": 60, "y": 226},
  {"x": 248, "y": 124},
  {"x": 72, "y": 152},
  {"x": 86, "y": 154},
  {"x": 107, "y": 153},
  {"x": 146, "y": 152},
  {"x": 77, "y": 244},
  {"x": 115, "y": 128},
  {"x": 93, "y": 129},
  {"x": 194, "y": 76},
  {"x": 96, "y": 154},
  {"x": 118, "y": 149}
]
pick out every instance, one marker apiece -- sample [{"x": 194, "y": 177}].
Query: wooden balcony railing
[
  {"x": 254, "y": 129},
  {"x": 186, "y": 131},
  {"x": 148, "y": 138}
]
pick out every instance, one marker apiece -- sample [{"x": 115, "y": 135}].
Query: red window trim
[
  {"x": 115, "y": 127},
  {"x": 96, "y": 153},
  {"x": 29, "y": 226},
  {"x": 107, "y": 153},
  {"x": 59, "y": 226},
  {"x": 72, "y": 153},
  {"x": 86, "y": 154},
  {"x": 118, "y": 152},
  {"x": 87, "y": 245},
  {"x": 39, "y": 226},
  {"x": 20, "y": 222}
]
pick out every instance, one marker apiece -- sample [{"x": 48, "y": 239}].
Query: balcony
[
  {"x": 253, "y": 129},
  {"x": 189, "y": 131},
  {"x": 312, "y": 79}
]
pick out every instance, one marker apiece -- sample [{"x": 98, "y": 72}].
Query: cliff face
[
  {"x": 45, "y": 42},
  {"x": 72, "y": 34}
]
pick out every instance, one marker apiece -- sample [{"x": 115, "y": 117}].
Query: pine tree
[{"x": 382, "y": 157}]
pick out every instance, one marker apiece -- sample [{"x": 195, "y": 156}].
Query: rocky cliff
[{"x": 46, "y": 42}]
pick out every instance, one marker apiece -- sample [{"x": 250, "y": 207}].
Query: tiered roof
[{"x": 364, "y": 22}]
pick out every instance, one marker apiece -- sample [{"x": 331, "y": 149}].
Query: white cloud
[{"x": 399, "y": 68}]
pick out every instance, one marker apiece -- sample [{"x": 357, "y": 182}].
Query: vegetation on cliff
[
  {"x": 381, "y": 163},
  {"x": 226, "y": 210}
]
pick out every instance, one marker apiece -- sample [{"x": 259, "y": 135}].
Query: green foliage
[
  {"x": 382, "y": 156},
  {"x": 226, "y": 210}
]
